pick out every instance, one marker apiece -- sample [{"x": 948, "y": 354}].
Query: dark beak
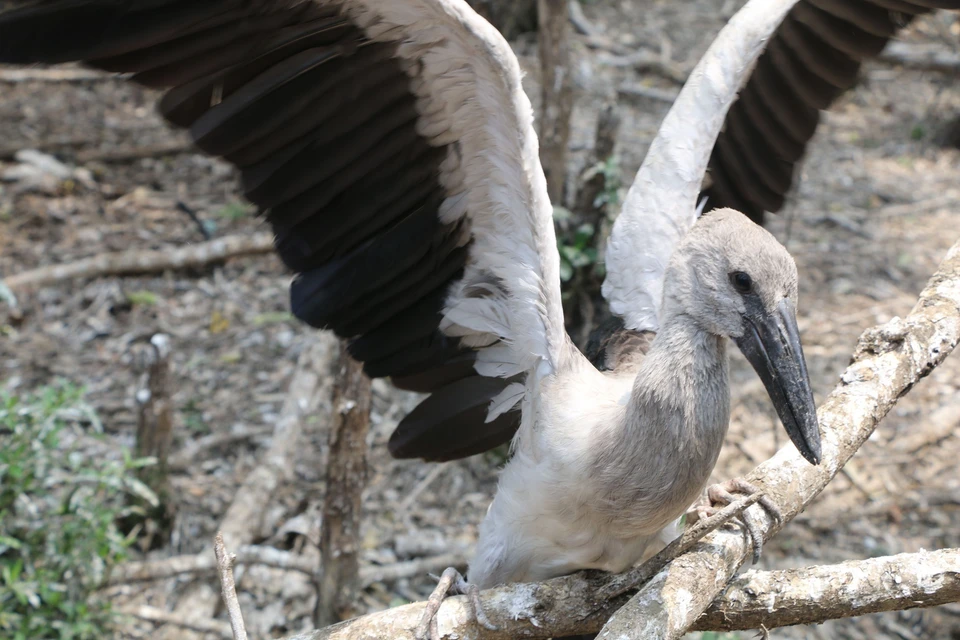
[{"x": 771, "y": 343}]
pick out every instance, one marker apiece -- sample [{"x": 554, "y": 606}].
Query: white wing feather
[
  {"x": 467, "y": 81},
  {"x": 660, "y": 206}
]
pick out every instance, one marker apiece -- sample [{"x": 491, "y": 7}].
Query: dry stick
[
  {"x": 556, "y": 86},
  {"x": 186, "y": 456},
  {"x": 924, "y": 58},
  {"x": 888, "y": 361},
  {"x": 136, "y": 152},
  {"x": 632, "y": 579},
  {"x": 815, "y": 594},
  {"x": 229, "y": 588},
  {"x": 939, "y": 425},
  {"x": 139, "y": 261},
  {"x": 204, "y": 564},
  {"x": 346, "y": 479},
  {"x": 651, "y": 93},
  {"x": 14, "y": 76},
  {"x": 162, "y": 616},
  {"x": 154, "y": 412}
]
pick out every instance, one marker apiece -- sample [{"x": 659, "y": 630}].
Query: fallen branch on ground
[
  {"x": 138, "y": 261},
  {"x": 205, "y": 564},
  {"x": 14, "y": 76},
  {"x": 888, "y": 361},
  {"x": 162, "y": 616},
  {"x": 927, "y": 58},
  {"x": 651, "y": 93},
  {"x": 136, "y": 152}
]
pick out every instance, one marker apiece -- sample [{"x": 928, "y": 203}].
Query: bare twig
[
  {"x": 650, "y": 93},
  {"x": 229, "y": 589},
  {"x": 557, "y": 93},
  {"x": 939, "y": 425},
  {"x": 647, "y": 61},
  {"x": 346, "y": 478},
  {"x": 816, "y": 594},
  {"x": 13, "y": 76},
  {"x": 928, "y": 58},
  {"x": 203, "y": 564},
  {"x": 161, "y": 616},
  {"x": 124, "y": 154},
  {"x": 154, "y": 410},
  {"x": 187, "y": 456},
  {"x": 139, "y": 261},
  {"x": 640, "y": 575},
  {"x": 888, "y": 361}
]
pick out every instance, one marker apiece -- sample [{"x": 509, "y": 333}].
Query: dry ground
[{"x": 863, "y": 257}]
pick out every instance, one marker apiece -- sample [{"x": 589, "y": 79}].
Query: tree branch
[
  {"x": 816, "y": 594},
  {"x": 140, "y": 261},
  {"x": 888, "y": 361}
]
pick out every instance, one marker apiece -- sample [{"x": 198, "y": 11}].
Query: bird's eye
[{"x": 741, "y": 281}]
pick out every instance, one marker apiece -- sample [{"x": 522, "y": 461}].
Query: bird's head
[{"x": 733, "y": 279}]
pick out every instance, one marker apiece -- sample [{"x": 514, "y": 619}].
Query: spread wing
[
  {"x": 814, "y": 56},
  {"x": 391, "y": 148}
]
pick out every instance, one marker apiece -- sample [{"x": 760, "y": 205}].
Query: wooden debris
[
  {"x": 138, "y": 261},
  {"x": 346, "y": 479}
]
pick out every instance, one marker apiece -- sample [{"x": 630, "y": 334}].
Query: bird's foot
[
  {"x": 450, "y": 582},
  {"x": 723, "y": 494}
]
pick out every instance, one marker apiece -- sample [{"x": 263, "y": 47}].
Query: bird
[{"x": 391, "y": 148}]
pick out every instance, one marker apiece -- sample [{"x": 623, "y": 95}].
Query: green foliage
[
  {"x": 142, "y": 297},
  {"x": 235, "y": 211},
  {"x": 610, "y": 197},
  {"x": 58, "y": 508},
  {"x": 579, "y": 253}
]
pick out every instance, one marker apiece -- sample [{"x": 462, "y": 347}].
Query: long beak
[{"x": 771, "y": 343}]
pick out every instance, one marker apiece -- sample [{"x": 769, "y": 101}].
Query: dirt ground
[{"x": 878, "y": 205}]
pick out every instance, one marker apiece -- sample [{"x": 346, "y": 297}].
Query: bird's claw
[
  {"x": 723, "y": 494},
  {"x": 450, "y": 581}
]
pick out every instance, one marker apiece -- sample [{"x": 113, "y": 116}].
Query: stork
[{"x": 392, "y": 150}]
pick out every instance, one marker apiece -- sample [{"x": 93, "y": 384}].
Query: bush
[{"x": 58, "y": 512}]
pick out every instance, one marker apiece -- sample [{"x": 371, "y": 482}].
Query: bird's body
[{"x": 609, "y": 460}]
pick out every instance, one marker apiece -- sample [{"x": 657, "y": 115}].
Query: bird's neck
[{"x": 682, "y": 392}]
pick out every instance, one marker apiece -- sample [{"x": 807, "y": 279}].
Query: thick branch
[
  {"x": 889, "y": 360},
  {"x": 815, "y": 594},
  {"x": 139, "y": 261},
  {"x": 768, "y": 598}
]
